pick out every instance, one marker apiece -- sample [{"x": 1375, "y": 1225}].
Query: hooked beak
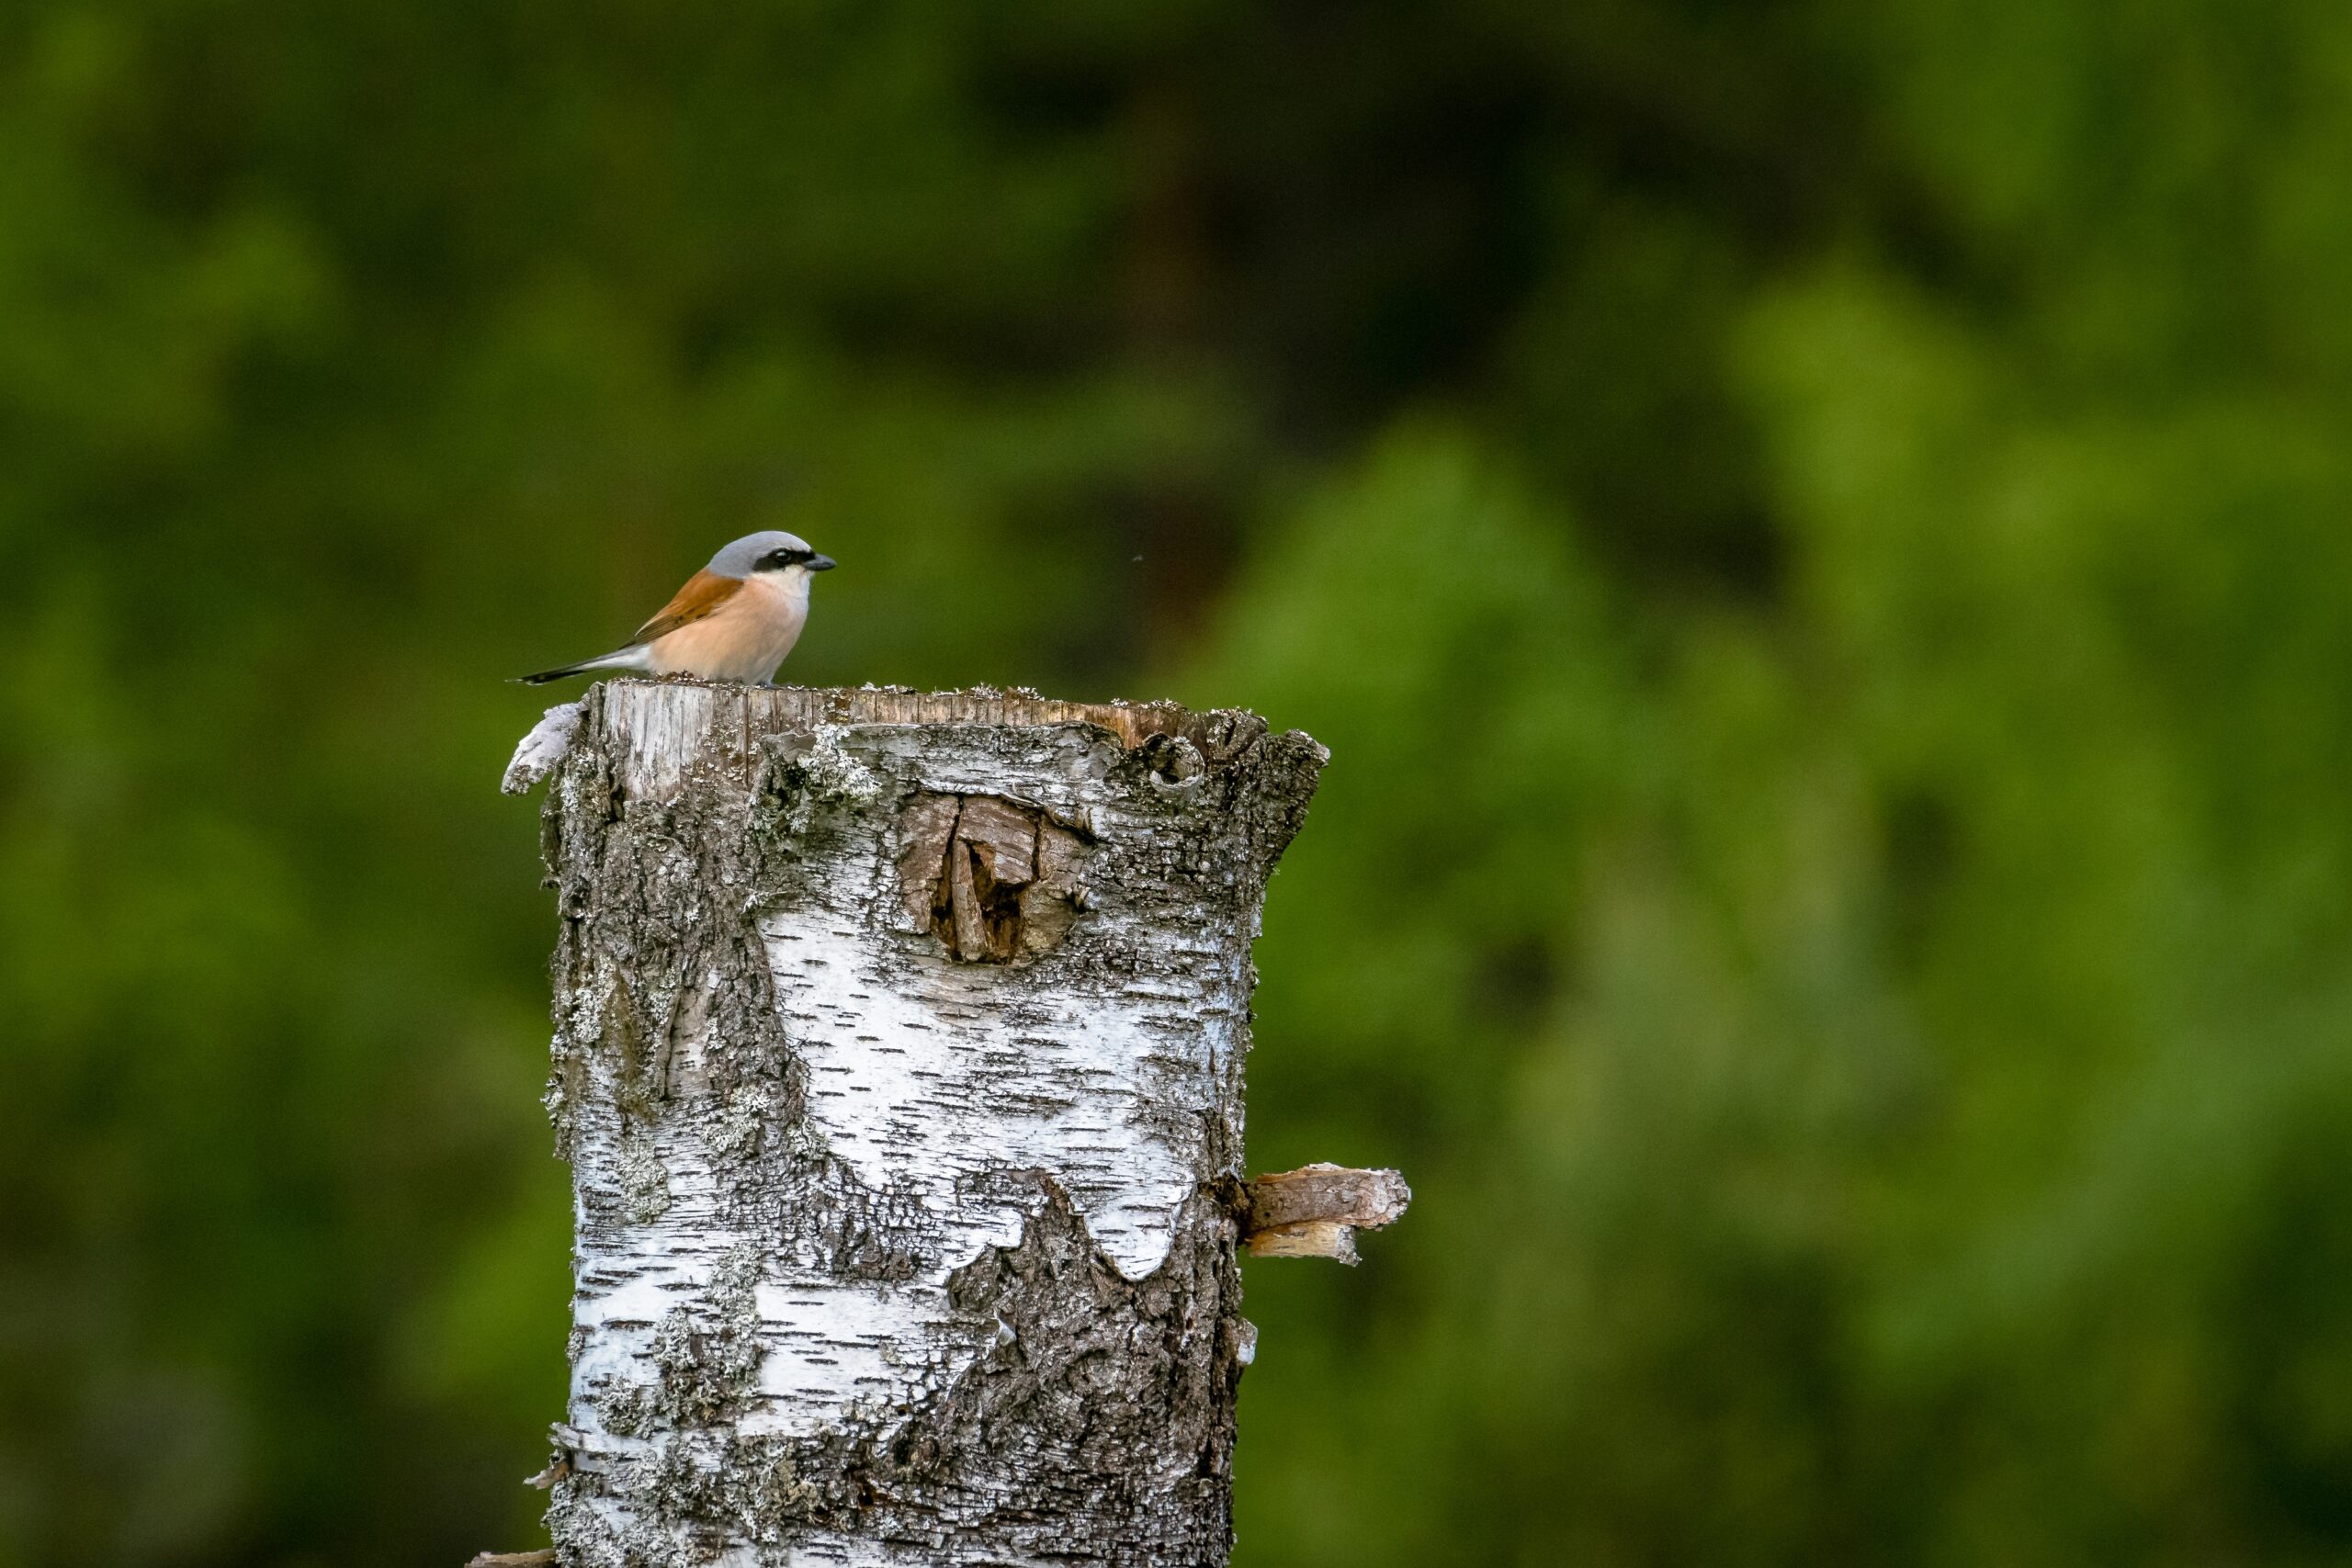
[{"x": 822, "y": 563}]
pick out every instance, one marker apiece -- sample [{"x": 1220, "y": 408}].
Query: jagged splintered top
[
  {"x": 786, "y": 708},
  {"x": 664, "y": 725}
]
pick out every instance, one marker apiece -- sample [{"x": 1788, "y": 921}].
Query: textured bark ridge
[{"x": 898, "y": 1055}]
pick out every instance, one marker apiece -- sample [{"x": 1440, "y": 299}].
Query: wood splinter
[{"x": 1315, "y": 1210}]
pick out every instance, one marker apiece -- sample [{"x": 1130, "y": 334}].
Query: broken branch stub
[
  {"x": 1315, "y": 1210},
  {"x": 898, "y": 1056}
]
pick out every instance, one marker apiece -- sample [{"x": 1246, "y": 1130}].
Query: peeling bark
[{"x": 898, "y": 1055}]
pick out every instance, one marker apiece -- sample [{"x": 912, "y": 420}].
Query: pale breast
[{"x": 743, "y": 639}]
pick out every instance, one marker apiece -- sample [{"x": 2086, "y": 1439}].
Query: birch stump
[{"x": 899, "y": 1058}]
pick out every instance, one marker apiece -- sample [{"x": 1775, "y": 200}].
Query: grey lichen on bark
[{"x": 898, "y": 1056}]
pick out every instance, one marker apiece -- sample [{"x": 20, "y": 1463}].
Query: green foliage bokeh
[{"x": 1819, "y": 536}]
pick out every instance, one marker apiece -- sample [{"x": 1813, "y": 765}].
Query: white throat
[{"x": 792, "y": 582}]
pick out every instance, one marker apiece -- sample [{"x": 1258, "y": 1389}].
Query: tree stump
[{"x": 899, "y": 1059}]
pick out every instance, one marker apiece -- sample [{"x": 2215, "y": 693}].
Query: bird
[{"x": 734, "y": 620}]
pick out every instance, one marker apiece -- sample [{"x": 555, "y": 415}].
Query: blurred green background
[{"x": 1819, "y": 536}]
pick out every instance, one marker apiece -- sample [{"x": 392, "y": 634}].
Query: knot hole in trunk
[{"x": 996, "y": 881}]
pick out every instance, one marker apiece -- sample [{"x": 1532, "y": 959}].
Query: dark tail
[{"x": 544, "y": 676}]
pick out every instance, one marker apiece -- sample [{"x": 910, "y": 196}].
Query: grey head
[{"x": 773, "y": 550}]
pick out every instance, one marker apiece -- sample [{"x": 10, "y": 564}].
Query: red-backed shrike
[{"x": 734, "y": 620}]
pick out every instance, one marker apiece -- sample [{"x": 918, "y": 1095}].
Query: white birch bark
[{"x": 898, "y": 1056}]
